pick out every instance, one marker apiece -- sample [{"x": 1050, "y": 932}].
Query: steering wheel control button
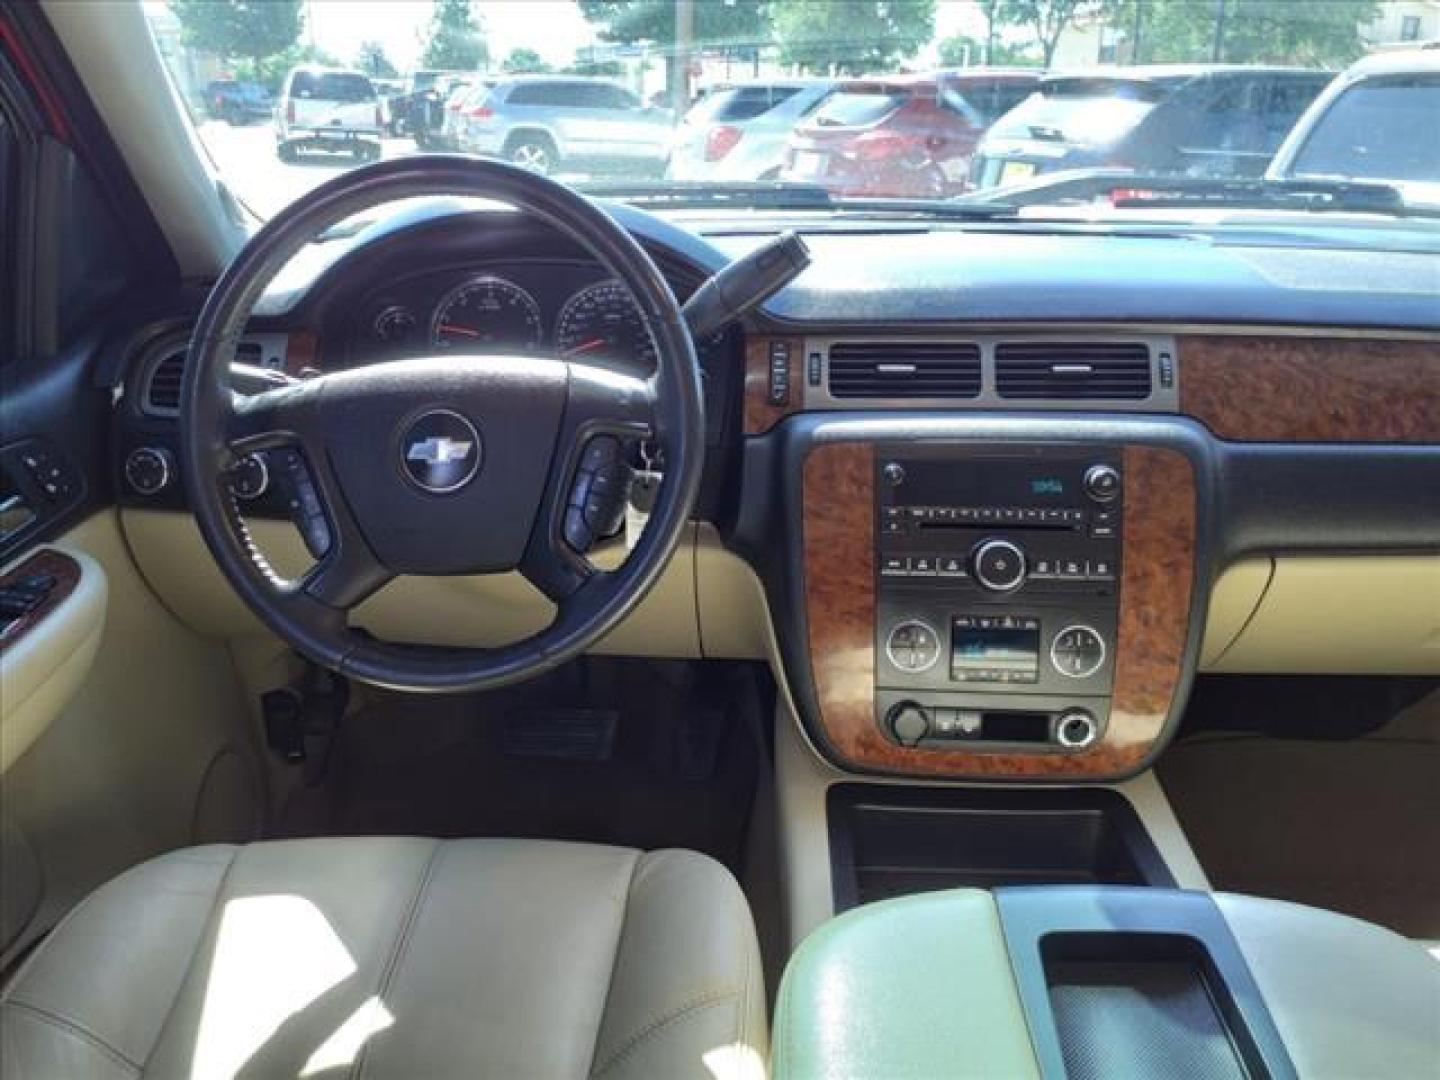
[
  {"x": 292, "y": 478},
  {"x": 441, "y": 452},
  {"x": 149, "y": 469},
  {"x": 913, "y": 646},
  {"x": 1076, "y": 729},
  {"x": 1077, "y": 651},
  {"x": 250, "y": 477},
  {"x": 909, "y": 723},
  {"x": 596, "y": 508},
  {"x": 998, "y": 565},
  {"x": 1102, "y": 483}
]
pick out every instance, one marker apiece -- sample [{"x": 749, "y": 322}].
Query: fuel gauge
[{"x": 394, "y": 325}]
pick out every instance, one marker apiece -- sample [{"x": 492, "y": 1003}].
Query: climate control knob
[
  {"x": 913, "y": 646},
  {"x": 998, "y": 565},
  {"x": 909, "y": 723}
]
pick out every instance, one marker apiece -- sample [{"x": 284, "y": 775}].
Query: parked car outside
[
  {"x": 447, "y": 135},
  {"x": 740, "y": 132},
  {"x": 546, "y": 122},
  {"x": 1370, "y": 124},
  {"x": 901, "y": 135},
  {"x": 237, "y": 102},
  {"x": 1192, "y": 119},
  {"x": 331, "y": 110}
]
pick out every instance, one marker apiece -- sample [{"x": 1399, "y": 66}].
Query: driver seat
[{"x": 397, "y": 957}]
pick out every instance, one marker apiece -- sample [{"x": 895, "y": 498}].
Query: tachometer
[
  {"x": 487, "y": 314},
  {"x": 601, "y": 323}
]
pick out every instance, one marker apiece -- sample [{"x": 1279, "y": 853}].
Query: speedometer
[
  {"x": 487, "y": 314},
  {"x": 602, "y": 323}
]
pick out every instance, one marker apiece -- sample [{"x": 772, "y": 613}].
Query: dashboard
[{"x": 899, "y": 446}]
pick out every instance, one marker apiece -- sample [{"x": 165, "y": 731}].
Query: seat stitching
[
  {"x": 615, "y": 956},
  {"x": 400, "y": 944},
  {"x": 194, "y": 953},
  {"x": 77, "y": 1029},
  {"x": 681, "y": 1012}
]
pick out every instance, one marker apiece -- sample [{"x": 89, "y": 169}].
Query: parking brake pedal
[{"x": 301, "y": 722}]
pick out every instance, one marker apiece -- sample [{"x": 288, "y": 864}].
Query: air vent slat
[
  {"x": 1073, "y": 371},
  {"x": 898, "y": 369},
  {"x": 162, "y": 392}
]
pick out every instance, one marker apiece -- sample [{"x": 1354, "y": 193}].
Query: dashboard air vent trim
[
  {"x": 904, "y": 369},
  {"x": 1109, "y": 370},
  {"x": 1073, "y": 370},
  {"x": 162, "y": 371}
]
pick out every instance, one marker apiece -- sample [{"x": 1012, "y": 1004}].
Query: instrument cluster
[{"x": 564, "y": 309}]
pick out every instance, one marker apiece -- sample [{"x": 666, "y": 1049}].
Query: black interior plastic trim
[
  {"x": 995, "y": 810},
  {"x": 1030, "y": 914}
]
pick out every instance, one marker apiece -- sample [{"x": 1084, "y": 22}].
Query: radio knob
[
  {"x": 894, "y": 473},
  {"x": 909, "y": 723},
  {"x": 1102, "y": 483},
  {"x": 998, "y": 565},
  {"x": 1076, "y": 729}
]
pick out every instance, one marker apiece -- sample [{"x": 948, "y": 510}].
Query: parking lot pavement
[{"x": 248, "y": 162}]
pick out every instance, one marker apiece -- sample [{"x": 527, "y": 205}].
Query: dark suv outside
[
  {"x": 237, "y": 102},
  {"x": 1196, "y": 120}
]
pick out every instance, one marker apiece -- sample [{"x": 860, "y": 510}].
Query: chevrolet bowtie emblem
[{"x": 439, "y": 450}]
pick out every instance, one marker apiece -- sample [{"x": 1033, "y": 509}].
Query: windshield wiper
[
  {"x": 789, "y": 196},
  {"x": 1140, "y": 191}
]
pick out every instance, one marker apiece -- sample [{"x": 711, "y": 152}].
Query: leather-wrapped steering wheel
[{"x": 448, "y": 465}]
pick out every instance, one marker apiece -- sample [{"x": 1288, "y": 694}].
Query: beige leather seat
[{"x": 397, "y": 957}]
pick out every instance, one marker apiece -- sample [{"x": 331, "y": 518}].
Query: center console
[
  {"x": 997, "y": 594},
  {"x": 996, "y": 608}
]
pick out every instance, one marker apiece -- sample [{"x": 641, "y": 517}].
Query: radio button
[
  {"x": 1101, "y": 570},
  {"x": 922, "y": 566},
  {"x": 952, "y": 566},
  {"x": 893, "y": 566},
  {"x": 1043, "y": 568},
  {"x": 1071, "y": 569},
  {"x": 1102, "y": 524},
  {"x": 999, "y": 565}
]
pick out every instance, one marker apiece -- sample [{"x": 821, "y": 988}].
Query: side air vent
[
  {"x": 902, "y": 369},
  {"x": 1073, "y": 371},
  {"x": 162, "y": 391}
]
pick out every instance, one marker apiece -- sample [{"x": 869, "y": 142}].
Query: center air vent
[
  {"x": 162, "y": 391},
  {"x": 903, "y": 369},
  {"x": 1073, "y": 371}
]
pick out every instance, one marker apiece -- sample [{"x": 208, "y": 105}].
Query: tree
[
  {"x": 456, "y": 39},
  {"x": 253, "y": 30},
  {"x": 959, "y": 50},
  {"x": 851, "y": 35},
  {"x": 524, "y": 61},
  {"x": 1047, "y": 19},
  {"x": 373, "y": 61},
  {"x": 1250, "y": 32}
]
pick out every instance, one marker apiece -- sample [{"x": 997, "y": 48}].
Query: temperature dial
[{"x": 913, "y": 646}]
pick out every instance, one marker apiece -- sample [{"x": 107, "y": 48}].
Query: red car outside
[{"x": 908, "y": 136}]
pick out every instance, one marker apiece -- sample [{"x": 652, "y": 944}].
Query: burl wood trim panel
[
  {"x": 1155, "y": 594},
  {"x": 760, "y": 415},
  {"x": 1282, "y": 389},
  {"x": 67, "y": 576}
]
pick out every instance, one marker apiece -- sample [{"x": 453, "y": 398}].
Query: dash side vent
[
  {"x": 1073, "y": 371},
  {"x": 901, "y": 369},
  {"x": 162, "y": 389}
]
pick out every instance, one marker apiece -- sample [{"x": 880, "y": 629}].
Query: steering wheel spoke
[{"x": 285, "y": 416}]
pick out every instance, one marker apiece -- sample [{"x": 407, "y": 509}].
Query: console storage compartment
[{"x": 890, "y": 841}]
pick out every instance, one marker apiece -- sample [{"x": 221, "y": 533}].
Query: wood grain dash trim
[
  {"x": 760, "y": 415},
  {"x": 1155, "y": 593},
  {"x": 66, "y": 572},
  {"x": 1282, "y": 389}
]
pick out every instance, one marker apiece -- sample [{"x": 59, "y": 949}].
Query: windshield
[
  {"x": 924, "y": 106},
  {"x": 1377, "y": 129}
]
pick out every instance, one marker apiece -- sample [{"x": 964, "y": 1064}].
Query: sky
[{"x": 553, "y": 28}]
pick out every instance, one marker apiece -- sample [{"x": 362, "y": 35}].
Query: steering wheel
[{"x": 444, "y": 465}]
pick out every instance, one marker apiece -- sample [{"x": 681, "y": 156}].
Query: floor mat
[
  {"x": 1352, "y": 825},
  {"x": 681, "y": 768}
]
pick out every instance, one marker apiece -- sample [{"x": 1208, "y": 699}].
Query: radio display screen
[{"x": 995, "y": 648}]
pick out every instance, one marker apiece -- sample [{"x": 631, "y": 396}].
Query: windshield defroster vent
[
  {"x": 904, "y": 369},
  {"x": 1073, "y": 371}
]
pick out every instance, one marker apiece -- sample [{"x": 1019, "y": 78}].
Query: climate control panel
[{"x": 997, "y": 578}]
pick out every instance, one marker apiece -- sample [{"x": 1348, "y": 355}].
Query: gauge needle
[
  {"x": 585, "y": 346},
  {"x": 463, "y": 331}
]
